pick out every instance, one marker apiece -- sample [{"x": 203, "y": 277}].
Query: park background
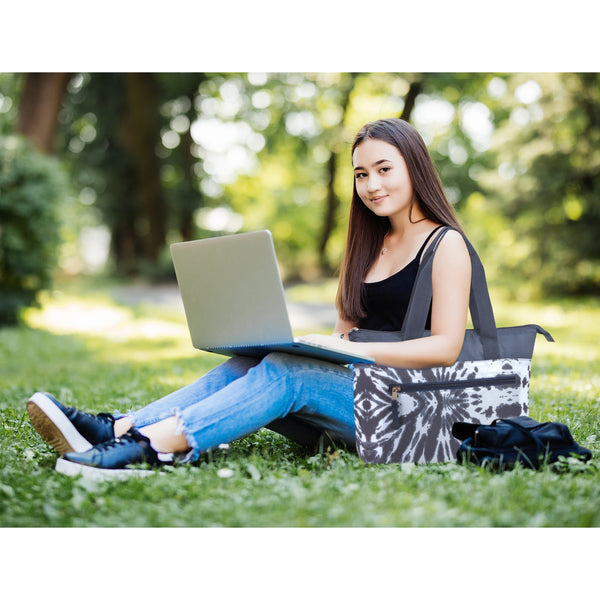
[{"x": 100, "y": 172}]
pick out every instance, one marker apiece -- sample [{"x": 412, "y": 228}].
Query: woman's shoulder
[
  {"x": 452, "y": 248},
  {"x": 453, "y": 239}
]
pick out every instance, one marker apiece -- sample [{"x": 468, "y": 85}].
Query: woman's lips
[{"x": 378, "y": 199}]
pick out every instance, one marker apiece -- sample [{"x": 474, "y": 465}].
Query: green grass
[{"x": 100, "y": 356}]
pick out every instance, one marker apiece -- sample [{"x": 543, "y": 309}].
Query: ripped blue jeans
[{"x": 299, "y": 397}]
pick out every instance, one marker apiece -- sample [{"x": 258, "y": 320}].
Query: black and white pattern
[{"x": 474, "y": 391}]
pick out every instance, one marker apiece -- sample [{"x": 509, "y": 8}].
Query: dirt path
[{"x": 303, "y": 316}]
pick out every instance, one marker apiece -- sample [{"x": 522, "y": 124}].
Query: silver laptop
[{"x": 234, "y": 300}]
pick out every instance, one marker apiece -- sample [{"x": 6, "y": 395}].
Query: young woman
[{"x": 397, "y": 204}]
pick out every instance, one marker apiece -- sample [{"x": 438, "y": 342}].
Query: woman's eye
[
  {"x": 384, "y": 169},
  {"x": 359, "y": 175}
]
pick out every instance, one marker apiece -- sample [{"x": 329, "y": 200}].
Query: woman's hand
[{"x": 329, "y": 341}]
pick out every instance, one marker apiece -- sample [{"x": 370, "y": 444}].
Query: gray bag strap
[{"x": 480, "y": 305}]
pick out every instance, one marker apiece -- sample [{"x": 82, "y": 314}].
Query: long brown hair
[{"x": 366, "y": 230}]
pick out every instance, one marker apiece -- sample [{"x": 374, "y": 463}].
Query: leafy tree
[
  {"x": 113, "y": 125},
  {"x": 10, "y": 87},
  {"x": 181, "y": 170},
  {"x": 32, "y": 186},
  {"x": 41, "y": 99},
  {"x": 100, "y": 164},
  {"x": 547, "y": 182},
  {"x": 281, "y": 126}
]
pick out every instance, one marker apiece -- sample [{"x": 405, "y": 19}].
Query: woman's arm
[
  {"x": 451, "y": 284},
  {"x": 342, "y": 327}
]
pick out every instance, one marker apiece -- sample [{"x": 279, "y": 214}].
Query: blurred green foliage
[
  {"x": 518, "y": 154},
  {"x": 31, "y": 189},
  {"x": 547, "y": 184}
]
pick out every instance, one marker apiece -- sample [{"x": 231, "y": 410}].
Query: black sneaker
[
  {"x": 114, "y": 458},
  {"x": 67, "y": 429}
]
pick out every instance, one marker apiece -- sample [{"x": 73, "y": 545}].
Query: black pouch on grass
[{"x": 506, "y": 442}]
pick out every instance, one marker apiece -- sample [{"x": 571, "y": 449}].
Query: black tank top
[{"x": 386, "y": 301}]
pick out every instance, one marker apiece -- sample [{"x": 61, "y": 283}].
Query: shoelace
[
  {"x": 104, "y": 417},
  {"x": 131, "y": 437},
  {"x": 135, "y": 437}
]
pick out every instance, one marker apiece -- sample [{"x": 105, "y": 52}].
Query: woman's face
[{"x": 382, "y": 179}]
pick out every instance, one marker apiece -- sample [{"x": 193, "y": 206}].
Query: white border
[{"x": 313, "y": 35}]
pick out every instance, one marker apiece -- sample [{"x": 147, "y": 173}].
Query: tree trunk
[
  {"x": 38, "y": 110},
  {"x": 191, "y": 197},
  {"x": 141, "y": 135},
  {"x": 190, "y": 202},
  {"x": 333, "y": 202},
  {"x": 415, "y": 88},
  {"x": 123, "y": 242}
]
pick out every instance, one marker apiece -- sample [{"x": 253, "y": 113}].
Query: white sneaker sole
[
  {"x": 52, "y": 424},
  {"x": 72, "y": 469}
]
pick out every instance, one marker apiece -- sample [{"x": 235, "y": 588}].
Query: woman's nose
[{"x": 373, "y": 183}]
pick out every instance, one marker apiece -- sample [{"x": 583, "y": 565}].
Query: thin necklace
[{"x": 384, "y": 249}]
